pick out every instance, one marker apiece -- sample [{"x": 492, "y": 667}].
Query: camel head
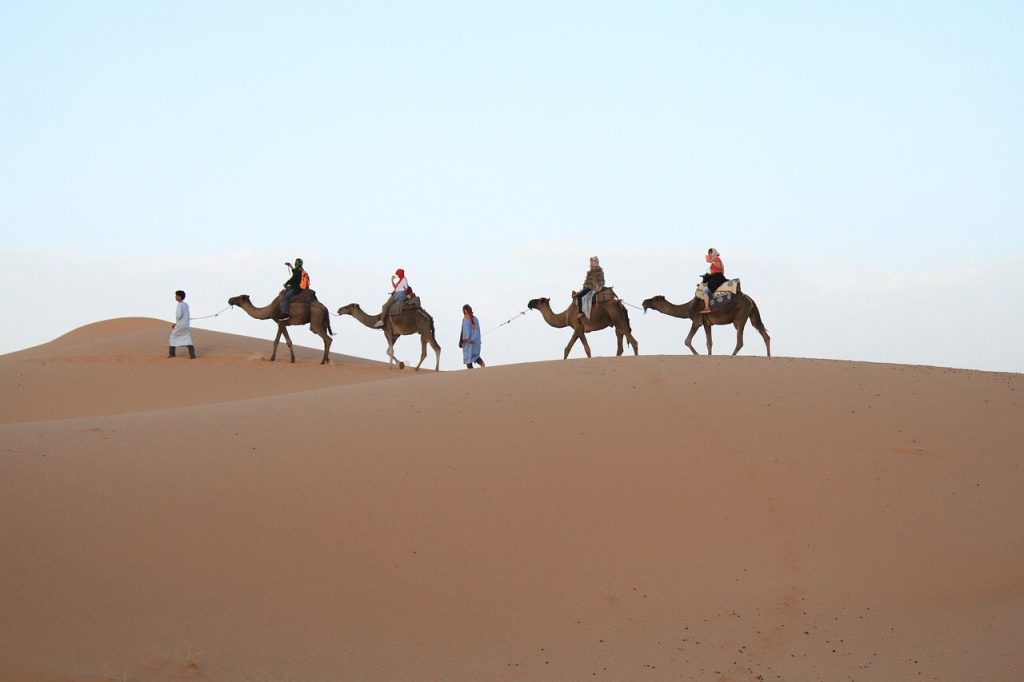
[
  {"x": 348, "y": 309},
  {"x": 536, "y": 303},
  {"x": 649, "y": 303},
  {"x": 239, "y": 300}
]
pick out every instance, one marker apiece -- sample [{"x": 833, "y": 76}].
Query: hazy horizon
[{"x": 858, "y": 167}]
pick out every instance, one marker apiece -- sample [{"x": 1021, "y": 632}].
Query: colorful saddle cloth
[{"x": 723, "y": 295}]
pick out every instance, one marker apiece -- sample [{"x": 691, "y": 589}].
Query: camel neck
[
  {"x": 363, "y": 317},
  {"x": 556, "y": 320},
  {"x": 264, "y": 313}
]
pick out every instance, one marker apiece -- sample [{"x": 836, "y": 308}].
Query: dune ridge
[
  {"x": 120, "y": 365},
  {"x": 615, "y": 518}
]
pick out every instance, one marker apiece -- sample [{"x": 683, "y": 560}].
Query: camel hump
[
  {"x": 306, "y": 296},
  {"x": 605, "y": 295}
]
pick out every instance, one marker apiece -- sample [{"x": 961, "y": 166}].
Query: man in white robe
[{"x": 181, "y": 330}]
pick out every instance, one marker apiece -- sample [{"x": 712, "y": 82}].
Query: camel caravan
[{"x": 593, "y": 307}]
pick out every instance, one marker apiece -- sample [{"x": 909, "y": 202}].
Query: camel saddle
[
  {"x": 407, "y": 303},
  {"x": 606, "y": 294},
  {"x": 306, "y": 296},
  {"x": 723, "y": 295}
]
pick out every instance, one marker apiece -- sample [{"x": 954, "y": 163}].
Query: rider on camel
[
  {"x": 298, "y": 281},
  {"x": 592, "y": 284},
  {"x": 400, "y": 289},
  {"x": 714, "y": 279}
]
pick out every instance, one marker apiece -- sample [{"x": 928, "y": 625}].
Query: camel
[
  {"x": 315, "y": 314},
  {"x": 409, "y": 321},
  {"x": 735, "y": 313},
  {"x": 610, "y": 313}
]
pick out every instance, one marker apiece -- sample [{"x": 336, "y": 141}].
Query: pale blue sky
[{"x": 490, "y": 148}]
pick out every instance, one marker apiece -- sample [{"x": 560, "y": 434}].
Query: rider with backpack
[{"x": 298, "y": 282}]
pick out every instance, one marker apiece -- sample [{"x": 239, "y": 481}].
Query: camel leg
[
  {"x": 740, "y": 323},
  {"x": 619, "y": 326},
  {"x": 437, "y": 355},
  {"x": 392, "y": 360},
  {"x": 689, "y": 338},
  {"x": 707, "y": 334},
  {"x": 277, "y": 340},
  {"x": 288, "y": 339},
  {"x": 622, "y": 331},
  {"x": 327, "y": 346},
  {"x": 764, "y": 335},
  {"x": 755, "y": 319},
  {"x": 586, "y": 344},
  {"x": 391, "y": 350},
  {"x": 576, "y": 333},
  {"x": 633, "y": 342},
  {"x": 423, "y": 351},
  {"x": 323, "y": 325}
]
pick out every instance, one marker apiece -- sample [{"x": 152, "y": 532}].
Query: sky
[{"x": 860, "y": 166}]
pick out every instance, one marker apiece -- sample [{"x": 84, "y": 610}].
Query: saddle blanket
[
  {"x": 723, "y": 295},
  {"x": 588, "y": 300},
  {"x": 410, "y": 302}
]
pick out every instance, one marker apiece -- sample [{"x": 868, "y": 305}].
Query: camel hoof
[{"x": 401, "y": 365}]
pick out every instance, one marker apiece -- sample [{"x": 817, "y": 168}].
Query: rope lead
[
  {"x": 206, "y": 317},
  {"x": 504, "y": 323}
]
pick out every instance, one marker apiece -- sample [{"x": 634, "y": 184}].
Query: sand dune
[
  {"x": 121, "y": 366},
  {"x": 655, "y": 518}
]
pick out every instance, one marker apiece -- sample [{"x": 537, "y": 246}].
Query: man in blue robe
[{"x": 469, "y": 342}]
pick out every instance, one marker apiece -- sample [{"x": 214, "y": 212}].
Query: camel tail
[
  {"x": 327, "y": 318},
  {"x": 433, "y": 335},
  {"x": 625, "y": 315},
  {"x": 755, "y": 316}
]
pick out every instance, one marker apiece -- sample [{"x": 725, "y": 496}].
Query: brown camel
[
  {"x": 315, "y": 314},
  {"x": 409, "y": 321},
  {"x": 735, "y": 313},
  {"x": 610, "y": 313}
]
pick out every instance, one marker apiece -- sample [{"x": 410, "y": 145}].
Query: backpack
[{"x": 304, "y": 280}]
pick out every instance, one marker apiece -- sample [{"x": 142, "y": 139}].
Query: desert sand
[{"x": 634, "y": 518}]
